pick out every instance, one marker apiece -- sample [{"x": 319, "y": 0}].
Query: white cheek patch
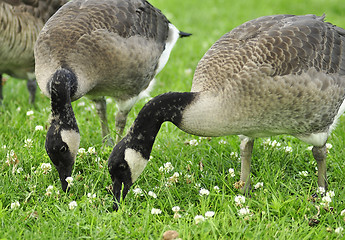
[
  {"x": 72, "y": 139},
  {"x": 136, "y": 162}
]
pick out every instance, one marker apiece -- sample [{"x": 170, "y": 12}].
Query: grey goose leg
[
  {"x": 246, "y": 148},
  {"x": 101, "y": 107},
  {"x": 320, "y": 155},
  {"x": 32, "y": 86}
]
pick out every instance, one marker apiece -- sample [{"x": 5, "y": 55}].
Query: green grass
[{"x": 281, "y": 209}]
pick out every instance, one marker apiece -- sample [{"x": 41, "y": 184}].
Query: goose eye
[
  {"x": 122, "y": 166},
  {"x": 63, "y": 149}
]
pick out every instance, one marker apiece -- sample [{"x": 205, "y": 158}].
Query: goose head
[
  {"x": 125, "y": 167},
  {"x": 62, "y": 145},
  {"x": 63, "y": 138},
  {"x": 131, "y": 155}
]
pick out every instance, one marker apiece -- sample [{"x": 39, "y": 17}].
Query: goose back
[
  {"x": 273, "y": 75},
  {"x": 21, "y": 22},
  {"x": 100, "y": 42}
]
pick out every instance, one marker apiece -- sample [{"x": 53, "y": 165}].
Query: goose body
[
  {"x": 22, "y": 22},
  {"x": 98, "y": 48},
  {"x": 281, "y": 74}
]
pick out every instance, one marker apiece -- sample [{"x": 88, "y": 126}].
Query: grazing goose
[
  {"x": 21, "y": 21},
  {"x": 274, "y": 75},
  {"x": 98, "y": 48}
]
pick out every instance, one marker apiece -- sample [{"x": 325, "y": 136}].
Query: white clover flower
[
  {"x": 175, "y": 209},
  {"x": 209, "y": 214},
  {"x": 4, "y": 146},
  {"x": 19, "y": 170},
  {"x": 274, "y": 143},
  {"x": 204, "y": 191},
  {"x": 288, "y": 149},
  {"x": 328, "y": 146},
  {"x": 174, "y": 177},
  {"x": 339, "y": 230},
  {"x": 69, "y": 180},
  {"x": 18, "y": 109},
  {"x": 198, "y": 219},
  {"x": 239, "y": 200},
  {"x": 234, "y": 154},
  {"x": 326, "y": 200},
  {"x": 49, "y": 190},
  {"x": 310, "y": 148},
  {"x": 244, "y": 211},
  {"x": 91, "y": 150},
  {"x": 216, "y": 188},
  {"x": 152, "y": 194},
  {"x": 81, "y": 104},
  {"x": 39, "y": 128},
  {"x": 330, "y": 194},
  {"x": 259, "y": 185},
  {"x": 177, "y": 215},
  {"x": 303, "y": 173},
  {"x": 11, "y": 158},
  {"x": 138, "y": 191},
  {"x": 156, "y": 211},
  {"x": 193, "y": 142},
  {"x": 46, "y": 167},
  {"x": 232, "y": 172},
  {"x": 90, "y": 195},
  {"x": 267, "y": 141},
  {"x": 222, "y": 142},
  {"x": 29, "y": 113},
  {"x": 321, "y": 190},
  {"x": 167, "y": 167},
  {"x": 28, "y": 142},
  {"x": 72, "y": 205},
  {"x": 15, "y": 205},
  {"x": 81, "y": 151}
]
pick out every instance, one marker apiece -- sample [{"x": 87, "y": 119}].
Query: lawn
[{"x": 188, "y": 185}]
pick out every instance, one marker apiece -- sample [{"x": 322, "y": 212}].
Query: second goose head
[{"x": 62, "y": 141}]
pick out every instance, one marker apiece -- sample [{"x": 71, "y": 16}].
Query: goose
[
  {"x": 98, "y": 48},
  {"x": 21, "y": 21},
  {"x": 281, "y": 74}
]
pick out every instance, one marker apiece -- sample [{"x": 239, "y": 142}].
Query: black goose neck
[
  {"x": 165, "y": 107},
  {"x": 62, "y": 87}
]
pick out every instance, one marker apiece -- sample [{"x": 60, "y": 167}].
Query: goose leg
[
  {"x": 120, "y": 123},
  {"x": 246, "y": 148},
  {"x": 320, "y": 154},
  {"x": 32, "y": 86},
  {"x": 101, "y": 107},
  {"x": 1, "y": 97}
]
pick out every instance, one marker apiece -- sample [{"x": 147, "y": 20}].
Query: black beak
[
  {"x": 64, "y": 172},
  {"x": 120, "y": 190}
]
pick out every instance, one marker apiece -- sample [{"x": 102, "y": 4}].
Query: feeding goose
[
  {"x": 21, "y": 22},
  {"x": 281, "y": 74},
  {"x": 98, "y": 48}
]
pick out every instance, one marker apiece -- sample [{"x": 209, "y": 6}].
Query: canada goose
[
  {"x": 21, "y": 21},
  {"x": 273, "y": 75},
  {"x": 98, "y": 48}
]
